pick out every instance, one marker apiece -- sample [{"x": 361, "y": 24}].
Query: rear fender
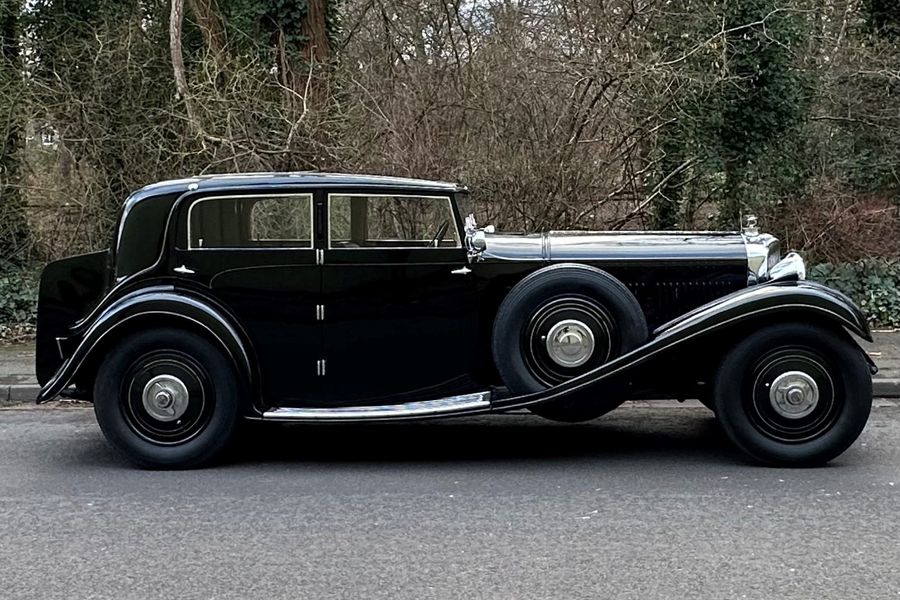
[
  {"x": 165, "y": 302},
  {"x": 756, "y": 306}
]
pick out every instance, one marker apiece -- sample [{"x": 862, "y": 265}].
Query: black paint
[{"x": 399, "y": 325}]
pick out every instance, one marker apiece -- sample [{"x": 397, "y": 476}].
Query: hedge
[{"x": 873, "y": 283}]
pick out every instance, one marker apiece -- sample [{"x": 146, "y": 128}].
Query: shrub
[
  {"x": 18, "y": 297},
  {"x": 874, "y": 284}
]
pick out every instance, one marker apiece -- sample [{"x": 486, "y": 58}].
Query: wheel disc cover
[
  {"x": 570, "y": 343},
  {"x": 166, "y": 398},
  {"x": 792, "y": 397},
  {"x": 794, "y": 394},
  {"x": 567, "y": 337}
]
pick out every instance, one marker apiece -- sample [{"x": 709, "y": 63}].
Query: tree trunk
[
  {"x": 175, "y": 23},
  {"x": 210, "y": 23},
  {"x": 315, "y": 29},
  {"x": 14, "y": 238},
  {"x": 305, "y": 76}
]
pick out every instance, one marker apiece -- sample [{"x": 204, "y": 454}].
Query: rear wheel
[
  {"x": 559, "y": 323},
  {"x": 167, "y": 398},
  {"x": 794, "y": 394}
]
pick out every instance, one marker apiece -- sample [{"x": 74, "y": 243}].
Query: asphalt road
[{"x": 645, "y": 503}]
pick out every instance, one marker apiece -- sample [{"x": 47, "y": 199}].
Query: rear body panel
[
  {"x": 156, "y": 305},
  {"x": 69, "y": 290}
]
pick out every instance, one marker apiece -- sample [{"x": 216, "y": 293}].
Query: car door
[
  {"x": 255, "y": 253},
  {"x": 400, "y": 309}
]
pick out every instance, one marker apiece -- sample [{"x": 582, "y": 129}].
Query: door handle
[
  {"x": 461, "y": 271},
  {"x": 185, "y": 270}
]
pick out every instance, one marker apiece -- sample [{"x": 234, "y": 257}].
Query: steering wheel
[{"x": 439, "y": 234}]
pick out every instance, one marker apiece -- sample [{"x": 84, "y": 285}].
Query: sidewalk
[
  {"x": 17, "y": 380},
  {"x": 885, "y": 351},
  {"x": 19, "y": 385}
]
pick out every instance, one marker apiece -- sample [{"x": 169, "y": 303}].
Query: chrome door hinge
[
  {"x": 320, "y": 256},
  {"x": 320, "y": 367},
  {"x": 320, "y": 312}
]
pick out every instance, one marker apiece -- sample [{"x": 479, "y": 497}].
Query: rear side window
[{"x": 258, "y": 221}]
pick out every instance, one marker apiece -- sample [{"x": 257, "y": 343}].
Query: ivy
[
  {"x": 742, "y": 104},
  {"x": 18, "y": 297},
  {"x": 874, "y": 284},
  {"x": 764, "y": 100},
  {"x": 259, "y": 23},
  {"x": 883, "y": 17}
]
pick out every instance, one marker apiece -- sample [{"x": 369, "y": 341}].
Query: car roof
[{"x": 299, "y": 178}]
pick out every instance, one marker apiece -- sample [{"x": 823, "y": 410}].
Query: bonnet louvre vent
[{"x": 663, "y": 301}]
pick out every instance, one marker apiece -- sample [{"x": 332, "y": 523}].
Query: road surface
[{"x": 645, "y": 503}]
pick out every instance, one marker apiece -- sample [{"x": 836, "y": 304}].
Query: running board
[{"x": 468, "y": 403}]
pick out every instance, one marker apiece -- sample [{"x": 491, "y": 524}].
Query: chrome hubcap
[
  {"x": 165, "y": 398},
  {"x": 570, "y": 343},
  {"x": 794, "y": 394}
]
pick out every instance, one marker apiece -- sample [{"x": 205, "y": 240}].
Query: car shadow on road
[{"x": 669, "y": 433}]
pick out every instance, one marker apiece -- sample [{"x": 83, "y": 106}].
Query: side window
[
  {"x": 278, "y": 221},
  {"x": 374, "y": 221}
]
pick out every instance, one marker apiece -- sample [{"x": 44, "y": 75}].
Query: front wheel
[
  {"x": 167, "y": 398},
  {"x": 794, "y": 394}
]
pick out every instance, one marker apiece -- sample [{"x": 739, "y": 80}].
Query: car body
[{"x": 333, "y": 297}]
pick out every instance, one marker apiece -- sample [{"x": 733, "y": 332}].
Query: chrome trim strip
[
  {"x": 617, "y": 260},
  {"x": 442, "y": 406},
  {"x": 459, "y": 239},
  {"x": 247, "y": 249},
  {"x": 312, "y": 220}
]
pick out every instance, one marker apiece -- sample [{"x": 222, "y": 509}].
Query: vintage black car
[{"x": 313, "y": 297}]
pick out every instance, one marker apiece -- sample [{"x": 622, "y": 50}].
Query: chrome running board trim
[{"x": 480, "y": 401}]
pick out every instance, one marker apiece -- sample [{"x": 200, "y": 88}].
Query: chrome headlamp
[
  {"x": 790, "y": 266},
  {"x": 764, "y": 262},
  {"x": 475, "y": 237}
]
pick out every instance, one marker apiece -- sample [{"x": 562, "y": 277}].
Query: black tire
[
  {"x": 204, "y": 422},
  {"x": 545, "y": 298},
  {"x": 823, "y": 423}
]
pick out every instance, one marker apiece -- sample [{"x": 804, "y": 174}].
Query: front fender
[
  {"x": 159, "y": 301},
  {"x": 774, "y": 298},
  {"x": 803, "y": 300}
]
